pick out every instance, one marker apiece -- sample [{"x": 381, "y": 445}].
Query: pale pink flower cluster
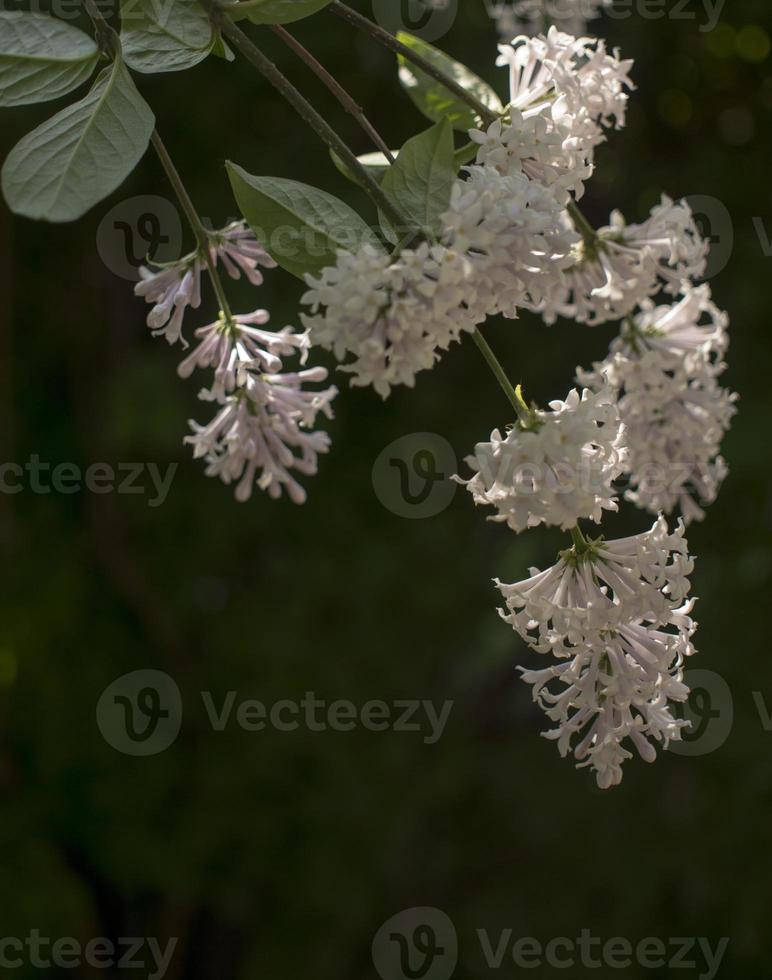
[{"x": 262, "y": 432}]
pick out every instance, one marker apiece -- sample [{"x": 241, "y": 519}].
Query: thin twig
[
  {"x": 346, "y": 100},
  {"x": 196, "y": 225},
  {"x": 306, "y": 111},
  {"x": 486, "y": 114}
]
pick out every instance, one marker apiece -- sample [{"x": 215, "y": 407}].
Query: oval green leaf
[
  {"x": 164, "y": 35},
  {"x": 78, "y": 157},
  {"x": 41, "y": 58},
  {"x": 422, "y": 176},
  {"x": 432, "y": 98},
  {"x": 300, "y": 226}
]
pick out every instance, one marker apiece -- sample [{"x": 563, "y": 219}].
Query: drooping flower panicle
[{"x": 615, "y": 616}]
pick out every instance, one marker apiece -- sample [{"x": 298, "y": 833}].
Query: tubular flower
[
  {"x": 171, "y": 289},
  {"x": 234, "y": 347},
  {"x": 240, "y": 252},
  {"x": 174, "y": 287},
  {"x": 623, "y": 265}
]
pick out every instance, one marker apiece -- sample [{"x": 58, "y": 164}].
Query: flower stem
[
  {"x": 333, "y": 85},
  {"x": 388, "y": 40},
  {"x": 107, "y": 37},
  {"x": 306, "y": 111},
  {"x": 501, "y": 376},
  {"x": 580, "y": 542},
  {"x": 584, "y": 227},
  {"x": 198, "y": 229}
]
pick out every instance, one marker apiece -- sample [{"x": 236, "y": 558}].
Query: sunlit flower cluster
[
  {"x": 615, "y": 617},
  {"x": 556, "y": 467},
  {"x": 663, "y": 370}
]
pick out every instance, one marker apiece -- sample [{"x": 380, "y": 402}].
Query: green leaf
[
  {"x": 220, "y": 48},
  {"x": 41, "y": 58},
  {"x": 164, "y": 35},
  {"x": 432, "y": 98},
  {"x": 421, "y": 178},
  {"x": 275, "y": 11},
  {"x": 300, "y": 226},
  {"x": 84, "y": 152}
]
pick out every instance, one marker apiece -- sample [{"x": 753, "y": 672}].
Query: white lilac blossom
[
  {"x": 534, "y": 16},
  {"x": 514, "y": 236},
  {"x": 622, "y": 265},
  {"x": 175, "y": 286},
  {"x": 239, "y": 345},
  {"x": 564, "y": 91},
  {"x": 555, "y": 469},
  {"x": 663, "y": 370},
  {"x": 171, "y": 289},
  {"x": 615, "y": 615},
  {"x": 260, "y": 433},
  {"x": 392, "y": 313},
  {"x": 539, "y": 145}
]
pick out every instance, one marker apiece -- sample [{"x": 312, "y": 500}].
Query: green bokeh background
[{"x": 280, "y": 854}]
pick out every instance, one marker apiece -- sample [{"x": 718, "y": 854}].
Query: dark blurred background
[{"x": 280, "y": 854}]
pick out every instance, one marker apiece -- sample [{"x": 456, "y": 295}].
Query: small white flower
[
  {"x": 663, "y": 371},
  {"x": 616, "y": 617},
  {"x": 541, "y": 145},
  {"x": 557, "y": 470},
  {"x": 393, "y": 314}
]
